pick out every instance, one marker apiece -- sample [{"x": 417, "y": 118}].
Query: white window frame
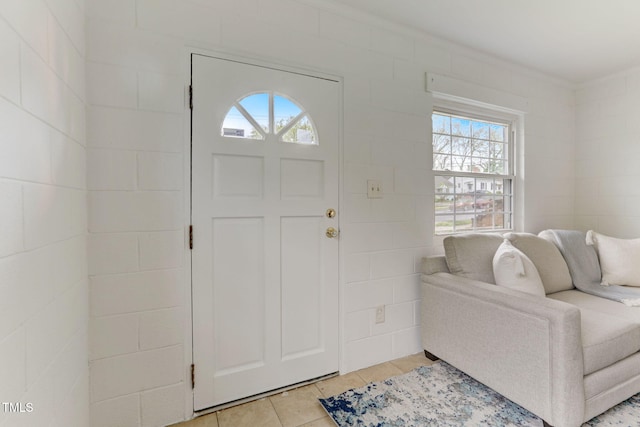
[{"x": 474, "y": 111}]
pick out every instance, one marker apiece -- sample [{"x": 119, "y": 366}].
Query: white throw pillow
[
  {"x": 513, "y": 269},
  {"x": 619, "y": 259}
]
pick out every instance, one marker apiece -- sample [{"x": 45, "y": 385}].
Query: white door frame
[{"x": 188, "y": 304}]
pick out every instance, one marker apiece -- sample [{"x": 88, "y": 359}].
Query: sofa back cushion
[
  {"x": 547, "y": 258},
  {"x": 471, "y": 255}
]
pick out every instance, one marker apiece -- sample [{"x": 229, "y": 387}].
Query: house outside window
[{"x": 474, "y": 173}]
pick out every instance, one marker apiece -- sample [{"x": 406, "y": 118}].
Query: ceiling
[{"x": 576, "y": 40}]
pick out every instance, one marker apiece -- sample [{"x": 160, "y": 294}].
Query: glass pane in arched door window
[{"x": 259, "y": 114}]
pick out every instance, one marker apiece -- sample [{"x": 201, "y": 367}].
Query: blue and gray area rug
[{"x": 440, "y": 395}]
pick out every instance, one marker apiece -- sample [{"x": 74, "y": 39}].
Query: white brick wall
[
  {"x": 136, "y": 73},
  {"x": 117, "y": 128},
  {"x": 43, "y": 214},
  {"x": 121, "y": 411},
  {"x": 136, "y": 372},
  {"x": 29, "y": 160},
  {"x": 136, "y": 214},
  {"x": 9, "y": 64},
  {"x": 133, "y": 157}
]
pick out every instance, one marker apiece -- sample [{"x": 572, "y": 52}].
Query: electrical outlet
[
  {"x": 380, "y": 314},
  {"x": 374, "y": 189}
]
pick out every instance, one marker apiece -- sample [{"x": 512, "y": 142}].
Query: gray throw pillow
[{"x": 471, "y": 255}]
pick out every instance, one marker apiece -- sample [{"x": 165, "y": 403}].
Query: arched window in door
[{"x": 258, "y": 115}]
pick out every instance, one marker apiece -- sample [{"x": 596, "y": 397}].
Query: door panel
[
  {"x": 302, "y": 179},
  {"x": 265, "y": 152},
  {"x": 239, "y": 177},
  {"x": 302, "y": 271},
  {"x": 238, "y": 242}
]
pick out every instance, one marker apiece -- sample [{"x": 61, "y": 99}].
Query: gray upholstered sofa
[{"x": 566, "y": 357}]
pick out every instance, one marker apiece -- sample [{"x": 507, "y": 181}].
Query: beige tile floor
[{"x": 300, "y": 407}]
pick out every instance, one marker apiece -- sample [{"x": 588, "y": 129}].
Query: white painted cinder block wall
[
  {"x": 608, "y": 155},
  {"x": 135, "y": 168},
  {"x": 136, "y": 71},
  {"x": 43, "y": 214}
]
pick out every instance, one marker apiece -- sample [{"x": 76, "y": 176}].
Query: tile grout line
[
  {"x": 274, "y": 410},
  {"x": 317, "y": 396},
  {"x": 317, "y": 393}
]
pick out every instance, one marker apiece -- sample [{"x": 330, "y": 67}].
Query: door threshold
[{"x": 262, "y": 395}]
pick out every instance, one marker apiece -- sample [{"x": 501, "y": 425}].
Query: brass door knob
[{"x": 332, "y": 233}]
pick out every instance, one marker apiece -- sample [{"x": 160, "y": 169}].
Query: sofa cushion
[
  {"x": 606, "y": 339},
  {"x": 616, "y": 314},
  {"x": 513, "y": 269},
  {"x": 602, "y": 305},
  {"x": 547, "y": 258},
  {"x": 471, "y": 255},
  {"x": 618, "y": 259}
]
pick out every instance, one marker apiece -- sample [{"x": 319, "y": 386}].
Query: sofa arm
[{"x": 525, "y": 347}]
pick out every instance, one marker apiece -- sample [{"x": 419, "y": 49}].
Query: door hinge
[
  {"x": 193, "y": 376},
  {"x": 190, "y": 97},
  {"x": 191, "y": 237}
]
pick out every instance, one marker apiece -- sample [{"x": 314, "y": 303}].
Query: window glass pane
[
  {"x": 483, "y": 202},
  {"x": 442, "y": 162},
  {"x": 461, "y": 127},
  {"x": 463, "y": 203},
  {"x": 484, "y": 221},
  {"x": 460, "y": 163},
  {"x": 444, "y": 184},
  {"x": 444, "y": 224},
  {"x": 504, "y": 187},
  {"x": 461, "y": 146},
  {"x": 498, "y": 133},
  {"x": 502, "y": 220},
  {"x": 257, "y": 106},
  {"x": 498, "y": 159},
  {"x": 301, "y": 133},
  {"x": 503, "y": 204},
  {"x": 465, "y": 184},
  {"x": 497, "y": 167},
  {"x": 480, "y": 165},
  {"x": 480, "y": 130},
  {"x": 441, "y": 143},
  {"x": 441, "y": 123},
  {"x": 443, "y": 203},
  {"x": 482, "y": 148},
  {"x": 464, "y": 222},
  {"x": 235, "y": 125},
  {"x": 284, "y": 110},
  {"x": 461, "y": 159},
  {"x": 499, "y": 150},
  {"x": 484, "y": 185}
]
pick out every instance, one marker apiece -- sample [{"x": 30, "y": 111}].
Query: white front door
[{"x": 265, "y": 156}]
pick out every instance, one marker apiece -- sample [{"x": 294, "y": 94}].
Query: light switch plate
[
  {"x": 374, "y": 189},
  {"x": 380, "y": 314}
]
